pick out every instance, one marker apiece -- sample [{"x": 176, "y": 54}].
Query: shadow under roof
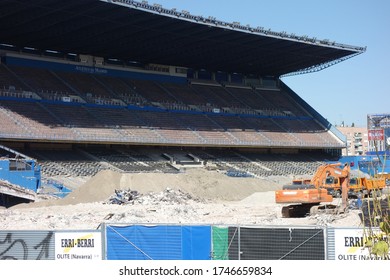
[{"x": 137, "y": 31}]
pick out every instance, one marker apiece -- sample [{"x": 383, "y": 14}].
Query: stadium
[{"x": 134, "y": 87}]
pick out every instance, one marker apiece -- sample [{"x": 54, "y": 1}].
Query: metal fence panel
[
  {"x": 255, "y": 243},
  {"x": 234, "y": 243},
  {"x": 27, "y": 245}
]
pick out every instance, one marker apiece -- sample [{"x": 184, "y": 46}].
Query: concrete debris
[
  {"x": 168, "y": 196},
  {"x": 123, "y": 197},
  {"x": 327, "y": 219},
  {"x": 323, "y": 219},
  {"x": 109, "y": 216}
]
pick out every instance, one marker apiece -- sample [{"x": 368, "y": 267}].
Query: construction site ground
[{"x": 197, "y": 196}]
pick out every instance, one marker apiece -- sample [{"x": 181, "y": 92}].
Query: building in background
[
  {"x": 357, "y": 140},
  {"x": 378, "y": 128},
  {"x": 371, "y": 140}
]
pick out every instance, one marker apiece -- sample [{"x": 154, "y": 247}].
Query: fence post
[
  {"x": 239, "y": 243},
  {"x": 104, "y": 240}
]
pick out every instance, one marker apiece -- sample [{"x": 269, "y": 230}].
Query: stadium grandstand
[{"x": 134, "y": 87}]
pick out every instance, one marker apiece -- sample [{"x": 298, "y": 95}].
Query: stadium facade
[{"x": 129, "y": 74}]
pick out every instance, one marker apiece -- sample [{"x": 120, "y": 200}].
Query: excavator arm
[{"x": 324, "y": 171}]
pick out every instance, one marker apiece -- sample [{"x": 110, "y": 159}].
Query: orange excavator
[{"x": 304, "y": 197}]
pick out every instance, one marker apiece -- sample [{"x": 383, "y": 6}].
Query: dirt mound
[
  {"x": 98, "y": 188},
  {"x": 199, "y": 183},
  {"x": 259, "y": 198}
]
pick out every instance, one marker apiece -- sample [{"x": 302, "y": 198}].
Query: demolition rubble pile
[{"x": 168, "y": 196}]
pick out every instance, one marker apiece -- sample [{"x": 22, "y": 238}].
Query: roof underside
[{"x": 127, "y": 33}]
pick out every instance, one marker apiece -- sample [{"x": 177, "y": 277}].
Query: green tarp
[{"x": 220, "y": 243}]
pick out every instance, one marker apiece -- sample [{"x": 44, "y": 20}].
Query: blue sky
[{"x": 347, "y": 91}]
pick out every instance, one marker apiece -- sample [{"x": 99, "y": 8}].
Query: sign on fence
[
  {"x": 350, "y": 244},
  {"x": 78, "y": 245}
]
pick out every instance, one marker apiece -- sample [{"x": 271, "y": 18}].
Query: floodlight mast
[
  {"x": 235, "y": 25},
  {"x": 322, "y": 66}
]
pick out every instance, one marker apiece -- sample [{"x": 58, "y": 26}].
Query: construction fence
[{"x": 186, "y": 242}]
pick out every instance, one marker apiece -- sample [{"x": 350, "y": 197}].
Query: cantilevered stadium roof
[{"x": 148, "y": 33}]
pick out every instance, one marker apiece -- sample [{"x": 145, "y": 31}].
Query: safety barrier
[{"x": 187, "y": 242}]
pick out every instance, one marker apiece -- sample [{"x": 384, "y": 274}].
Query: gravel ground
[{"x": 194, "y": 197}]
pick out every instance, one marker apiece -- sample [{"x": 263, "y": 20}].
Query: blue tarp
[
  {"x": 162, "y": 242},
  {"x": 196, "y": 242}
]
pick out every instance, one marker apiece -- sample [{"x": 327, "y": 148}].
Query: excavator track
[
  {"x": 325, "y": 209},
  {"x": 309, "y": 209},
  {"x": 297, "y": 210}
]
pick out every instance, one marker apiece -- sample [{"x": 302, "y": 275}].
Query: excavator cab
[
  {"x": 355, "y": 187},
  {"x": 297, "y": 182},
  {"x": 333, "y": 186}
]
